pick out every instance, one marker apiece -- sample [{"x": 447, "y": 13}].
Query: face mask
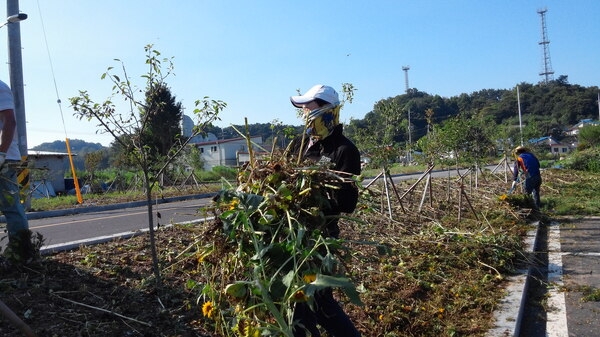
[
  {"x": 322, "y": 121},
  {"x": 322, "y": 126}
]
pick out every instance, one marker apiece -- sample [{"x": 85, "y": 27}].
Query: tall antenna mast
[
  {"x": 408, "y": 152},
  {"x": 547, "y": 71},
  {"x": 406, "y": 69},
  {"x": 599, "y": 105}
]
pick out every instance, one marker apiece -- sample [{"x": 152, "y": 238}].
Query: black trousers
[
  {"x": 328, "y": 314},
  {"x": 532, "y": 186}
]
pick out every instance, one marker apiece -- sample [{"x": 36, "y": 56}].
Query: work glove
[
  {"x": 2, "y": 159},
  {"x": 514, "y": 184}
]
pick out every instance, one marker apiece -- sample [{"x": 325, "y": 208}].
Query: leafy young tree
[
  {"x": 129, "y": 126},
  {"x": 376, "y": 135},
  {"x": 532, "y": 130},
  {"x": 195, "y": 158},
  {"x": 433, "y": 151},
  {"x": 464, "y": 139},
  {"x": 92, "y": 161},
  {"x": 120, "y": 156}
]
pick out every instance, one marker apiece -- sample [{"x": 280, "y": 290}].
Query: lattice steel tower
[{"x": 547, "y": 71}]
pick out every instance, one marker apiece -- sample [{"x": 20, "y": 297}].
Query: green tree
[
  {"x": 163, "y": 117},
  {"x": 127, "y": 126},
  {"x": 376, "y": 136},
  {"x": 532, "y": 130},
  {"x": 92, "y": 161},
  {"x": 120, "y": 155},
  {"x": 464, "y": 140},
  {"x": 589, "y": 136}
]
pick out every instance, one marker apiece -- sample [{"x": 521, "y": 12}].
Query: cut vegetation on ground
[{"x": 435, "y": 267}]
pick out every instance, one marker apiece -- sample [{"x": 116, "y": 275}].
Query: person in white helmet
[{"x": 321, "y": 107}]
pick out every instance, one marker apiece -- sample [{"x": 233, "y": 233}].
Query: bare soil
[{"x": 440, "y": 273}]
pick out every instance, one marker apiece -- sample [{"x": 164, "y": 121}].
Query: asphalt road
[
  {"x": 574, "y": 266},
  {"x": 69, "y": 231},
  {"x": 566, "y": 268}
]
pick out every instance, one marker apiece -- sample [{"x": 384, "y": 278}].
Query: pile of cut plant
[{"x": 417, "y": 258}]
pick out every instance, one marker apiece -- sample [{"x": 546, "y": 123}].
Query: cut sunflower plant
[{"x": 268, "y": 234}]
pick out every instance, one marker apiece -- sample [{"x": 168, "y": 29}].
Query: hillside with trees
[
  {"x": 547, "y": 109},
  {"x": 489, "y": 116},
  {"x": 79, "y": 148}
]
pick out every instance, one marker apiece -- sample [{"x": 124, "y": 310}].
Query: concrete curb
[{"x": 509, "y": 315}]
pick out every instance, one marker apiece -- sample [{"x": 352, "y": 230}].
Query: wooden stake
[{"x": 14, "y": 319}]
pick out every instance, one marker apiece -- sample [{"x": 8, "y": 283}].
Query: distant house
[
  {"x": 556, "y": 148},
  {"x": 47, "y": 172},
  {"x": 225, "y": 152},
  {"x": 574, "y": 130}
]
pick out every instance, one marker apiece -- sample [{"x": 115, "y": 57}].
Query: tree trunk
[{"x": 155, "y": 264}]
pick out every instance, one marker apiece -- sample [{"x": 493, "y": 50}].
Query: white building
[
  {"x": 226, "y": 152},
  {"x": 47, "y": 173},
  {"x": 556, "y": 148},
  {"x": 574, "y": 130}
]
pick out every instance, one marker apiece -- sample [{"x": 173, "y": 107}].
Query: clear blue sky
[{"x": 255, "y": 54}]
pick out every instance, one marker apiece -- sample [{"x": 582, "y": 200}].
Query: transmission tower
[
  {"x": 406, "y": 69},
  {"x": 547, "y": 70}
]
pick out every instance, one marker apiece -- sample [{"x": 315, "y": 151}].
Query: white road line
[
  {"x": 582, "y": 254},
  {"x": 556, "y": 324}
]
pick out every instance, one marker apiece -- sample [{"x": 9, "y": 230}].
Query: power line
[
  {"x": 58, "y": 101},
  {"x": 75, "y": 180}
]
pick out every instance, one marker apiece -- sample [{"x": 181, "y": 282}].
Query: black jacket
[{"x": 345, "y": 157}]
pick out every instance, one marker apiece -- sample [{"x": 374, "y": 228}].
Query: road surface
[{"x": 71, "y": 230}]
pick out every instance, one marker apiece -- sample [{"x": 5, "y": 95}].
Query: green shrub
[
  {"x": 207, "y": 176},
  {"x": 584, "y": 160},
  {"x": 547, "y": 163},
  {"x": 225, "y": 172}
]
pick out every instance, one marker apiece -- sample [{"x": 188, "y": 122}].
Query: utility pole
[
  {"x": 520, "y": 120},
  {"x": 409, "y": 154},
  {"x": 15, "y": 62},
  {"x": 16, "y": 73}
]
